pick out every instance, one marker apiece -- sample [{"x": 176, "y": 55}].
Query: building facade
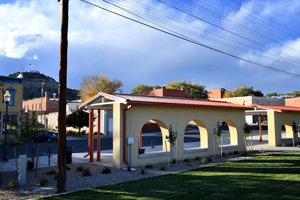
[{"x": 15, "y": 88}]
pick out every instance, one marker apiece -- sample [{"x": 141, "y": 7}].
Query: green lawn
[{"x": 266, "y": 177}]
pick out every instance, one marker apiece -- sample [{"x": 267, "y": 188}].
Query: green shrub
[
  {"x": 261, "y": 151},
  {"x": 30, "y": 165},
  {"x": 143, "y": 171},
  {"x": 106, "y": 170},
  {"x": 55, "y": 176},
  {"x": 149, "y": 166},
  {"x": 197, "y": 158},
  {"x": 283, "y": 145},
  {"x": 174, "y": 161},
  {"x": 80, "y": 168},
  {"x": 223, "y": 154},
  {"x": 236, "y": 152},
  {"x": 230, "y": 153},
  {"x": 43, "y": 181},
  {"x": 68, "y": 168},
  {"x": 298, "y": 145},
  {"x": 209, "y": 159},
  {"x": 86, "y": 172},
  {"x": 163, "y": 168},
  {"x": 190, "y": 163},
  {"x": 203, "y": 161},
  {"x": 13, "y": 184},
  {"x": 186, "y": 160},
  {"x": 244, "y": 153},
  {"x": 50, "y": 172}
]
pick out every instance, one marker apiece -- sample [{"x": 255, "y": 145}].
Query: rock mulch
[{"x": 75, "y": 180}]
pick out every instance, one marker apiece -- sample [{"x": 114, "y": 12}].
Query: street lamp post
[{"x": 6, "y": 99}]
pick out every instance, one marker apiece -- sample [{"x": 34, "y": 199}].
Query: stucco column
[
  {"x": 274, "y": 129},
  {"x": 118, "y": 135}
]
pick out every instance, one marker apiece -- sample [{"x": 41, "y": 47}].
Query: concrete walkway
[{"x": 107, "y": 156}]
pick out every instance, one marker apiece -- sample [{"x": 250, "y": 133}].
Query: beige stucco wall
[
  {"x": 275, "y": 121},
  {"x": 178, "y": 117}
]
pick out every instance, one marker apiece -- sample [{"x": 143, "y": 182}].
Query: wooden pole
[
  {"x": 167, "y": 152},
  {"x": 221, "y": 145},
  {"x": 98, "y": 138},
  {"x": 37, "y": 159},
  {"x": 214, "y": 145},
  {"x": 140, "y": 139},
  {"x": 259, "y": 124},
  {"x": 62, "y": 95}
]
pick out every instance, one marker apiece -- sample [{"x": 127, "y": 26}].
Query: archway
[
  {"x": 195, "y": 135},
  {"x": 153, "y": 130},
  {"x": 229, "y": 133},
  {"x": 286, "y": 130}
]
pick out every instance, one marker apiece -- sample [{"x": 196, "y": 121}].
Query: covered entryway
[
  {"x": 277, "y": 117},
  {"x": 131, "y": 112}
]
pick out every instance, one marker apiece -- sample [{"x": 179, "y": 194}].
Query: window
[
  {"x": 12, "y": 93},
  {"x": 32, "y": 107},
  {"x": 27, "y": 108},
  {"x": 40, "y": 107},
  {"x": 36, "y": 106}
]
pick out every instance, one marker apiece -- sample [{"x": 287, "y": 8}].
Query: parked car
[{"x": 45, "y": 136}]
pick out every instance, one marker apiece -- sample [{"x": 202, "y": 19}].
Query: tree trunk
[{"x": 16, "y": 162}]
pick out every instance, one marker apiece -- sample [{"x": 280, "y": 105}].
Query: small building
[
  {"x": 294, "y": 102},
  {"x": 131, "y": 112},
  {"x": 250, "y": 100},
  {"x": 164, "y": 92},
  {"x": 15, "y": 88},
  {"x": 216, "y": 94}
]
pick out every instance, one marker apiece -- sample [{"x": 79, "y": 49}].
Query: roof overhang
[{"x": 102, "y": 101}]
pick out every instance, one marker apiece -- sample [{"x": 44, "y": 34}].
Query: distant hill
[{"x": 32, "y": 84}]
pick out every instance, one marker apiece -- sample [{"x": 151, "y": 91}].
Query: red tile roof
[
  {"x": 134, "y": 99},
  {"x": 278, "y": 108}
]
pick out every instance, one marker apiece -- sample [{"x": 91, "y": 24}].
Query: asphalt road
[{"x": 79, "y": 146}]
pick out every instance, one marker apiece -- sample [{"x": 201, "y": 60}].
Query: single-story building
[{"x": 131, "y": 112}]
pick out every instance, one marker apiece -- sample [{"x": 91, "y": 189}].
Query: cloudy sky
[{"x": 261, "y": 31}]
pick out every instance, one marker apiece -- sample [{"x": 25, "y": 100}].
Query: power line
[{"x": 175, "y": 34}]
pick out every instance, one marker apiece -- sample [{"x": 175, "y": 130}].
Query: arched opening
[
  {"x": 195, "y": 135},
  {"x": 286, "y": 130},
  {"x": 154, "y": 132},
  {"x": 229, "y": 133}
]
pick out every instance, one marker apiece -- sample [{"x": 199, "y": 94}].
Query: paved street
[{"x": 80, "y": 145}]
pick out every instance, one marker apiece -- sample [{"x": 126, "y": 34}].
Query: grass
[{"x": 266, "y": 177}]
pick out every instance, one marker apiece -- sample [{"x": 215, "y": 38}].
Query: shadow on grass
[{"x": 225, "y": 181}]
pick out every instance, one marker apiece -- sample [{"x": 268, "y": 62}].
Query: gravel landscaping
[{"x": 75, "y": 180}]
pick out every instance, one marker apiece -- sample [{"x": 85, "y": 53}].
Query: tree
[
  {"x": 92, "y": 85},
  {"x": 20, "y": 133},
  {"x": 271, "y": 94},
  {"x": 228, "y": 94},
  {"x": 195, "y": 91},
  {"x": 243, "y": 91},
  {"x": 247, "y": 131},
  {"x": 217, "y": 133},
  {"x": 171, "y": 138},
  {"x": 297, "y": 93},
  {"x": 142, "y": 88},
  {"x": 78, "y": 119}
]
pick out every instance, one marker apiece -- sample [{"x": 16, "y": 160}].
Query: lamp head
[{"x": 7, "y": 96}]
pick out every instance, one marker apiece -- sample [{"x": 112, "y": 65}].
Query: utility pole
[
  {"x": 62, "y": 95},
  {"x": 42, "y": 90}
]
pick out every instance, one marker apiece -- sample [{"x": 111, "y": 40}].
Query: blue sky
[{"x": 100, "y": 42}]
